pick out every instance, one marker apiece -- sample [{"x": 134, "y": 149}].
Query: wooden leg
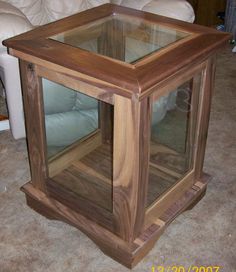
[
  {"x": 130, "y": 164},
  {"x": 35, "y": 124}
]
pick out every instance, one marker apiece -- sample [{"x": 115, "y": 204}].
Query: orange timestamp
[{"x": 191, "y": 268}]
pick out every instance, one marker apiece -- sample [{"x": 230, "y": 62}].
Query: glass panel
[
  {"x": 122, "y": 37},
  {"x": 79, "y": 158},
  {"x": 69, "y": 116},
  {"x": 172, "y": 138}
]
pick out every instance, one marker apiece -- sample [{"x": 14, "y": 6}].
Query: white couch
[{"x": 17, "y": 16}]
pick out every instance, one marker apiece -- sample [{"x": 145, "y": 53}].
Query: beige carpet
[{"x": 203, "y": 236}]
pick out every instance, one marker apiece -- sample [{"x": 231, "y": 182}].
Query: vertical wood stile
[
  {"x": 130, "y": 162},
  {"x": 106, "y": 121},
  {"x": 35, "y": 126},
  {"x": 205, "y": 104},
  {"x": 192, "y": 117}
]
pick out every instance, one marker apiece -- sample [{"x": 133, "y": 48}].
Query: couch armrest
[
  {"x": 178, "y": 9},
  {"x": 11, "y": 79},
  {"x": 94, "y": 3},
  {"x": 14, "y": 22}
]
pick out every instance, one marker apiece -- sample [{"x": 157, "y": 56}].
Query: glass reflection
[
  {"x": 79, "y": 156},
  {"x": 172, "y": 138},
  {"x": 121, "y": 37}
]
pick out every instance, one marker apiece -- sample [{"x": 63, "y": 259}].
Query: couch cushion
[
  {"x": 56, "y": 10},
  {"x": 95, "y": 3},
  {"x": 177, "y": 9},
  {"x": 57, "y": 98},
  {"x": 10, "y": 9},
  {"x": 117, "y": 2},
  {"x": 13, "y": 21},
  {"x": 84, "y": 102},
  {"x": 134, "y": 4},
  {"x": 33, "y": 9},
  {"x": 65, "y": 128}
]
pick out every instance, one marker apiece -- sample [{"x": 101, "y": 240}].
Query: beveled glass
[{"x": 121, "y": 37}]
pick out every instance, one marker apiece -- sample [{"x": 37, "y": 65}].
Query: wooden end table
[{"x": 124, "y": 182}]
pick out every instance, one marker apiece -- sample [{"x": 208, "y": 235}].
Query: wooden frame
[
  {"x": 128, "y": 230},
  {"x": 138, "y": 77}
]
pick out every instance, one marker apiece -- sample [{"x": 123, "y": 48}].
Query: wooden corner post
[
  {"x": 35, "y": 124},
  {"x": 205, "y": 105},
  {"x": 130, "y": 164}
]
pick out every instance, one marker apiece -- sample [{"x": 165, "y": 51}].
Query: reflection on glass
[
  {"x": 69, "y": 116},
  {"x": 122, "y": 37},
  {"x": 79, "y": 161},
  {"x": 172, "y": 138}
]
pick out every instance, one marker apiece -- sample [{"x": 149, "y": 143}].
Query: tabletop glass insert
[{"x": 121, "y": 37}]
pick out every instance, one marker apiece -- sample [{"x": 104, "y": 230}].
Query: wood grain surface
[
  {"x": 128, "y": 254},
  {"x": 124, "y": 77},
  {"x": 35, "y": 125},
  {"x": 102, "y": 184}
]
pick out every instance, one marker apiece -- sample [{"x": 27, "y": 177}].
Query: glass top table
[
  {"x": 117, "y": 105},
  {"x": 124, "y": 50},
  {"x": 135, "y": 37}
]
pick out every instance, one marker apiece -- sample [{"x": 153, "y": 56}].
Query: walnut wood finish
[
  {"x": 90, "y": 176},
  {"x": 108, "y": 201},
  {"x": 126, "y": 79},
  {"x": 193, "y": 114},
  {"x": 207, "y": 89},
  {"x": 131, "y": 153},
  {"x": 129, "y": 254},
  {"x": 35, "y": 126},
  {"x": 106, "y": 120},
  {"x": 75, "y": 84},
  {"x": 74, "y": 152}
]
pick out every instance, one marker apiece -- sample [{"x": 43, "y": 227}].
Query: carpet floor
[{"x": 204, "y": 236}]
